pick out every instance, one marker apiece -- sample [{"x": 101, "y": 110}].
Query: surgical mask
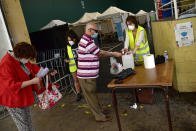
[
  {"x": 94, "y": 35},
  {"x": 24, "y": 61},
  {"x": 71, "y": 43},
  {"x": 131, "y": 27}
]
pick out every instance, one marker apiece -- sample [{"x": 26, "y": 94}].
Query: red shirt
[{"x": 11, "y": 78}]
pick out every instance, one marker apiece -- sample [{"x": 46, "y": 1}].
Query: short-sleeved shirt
[{"x": 88, "y": 60}]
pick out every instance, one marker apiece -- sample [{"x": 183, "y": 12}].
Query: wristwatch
[{"x": 110, "y": 53}]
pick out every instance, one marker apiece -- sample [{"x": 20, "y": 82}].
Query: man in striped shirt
[{"x": 88, "y": 69}]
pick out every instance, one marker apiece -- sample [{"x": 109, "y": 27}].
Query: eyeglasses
[{"x": 94, "y": 30}]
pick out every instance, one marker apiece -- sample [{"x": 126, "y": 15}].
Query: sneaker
[{"x": 79, "y": 97}]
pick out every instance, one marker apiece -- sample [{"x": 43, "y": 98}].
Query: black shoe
[{"x": 79, "y": 97}]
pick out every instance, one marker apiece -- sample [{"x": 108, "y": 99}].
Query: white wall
[{"x": 5, "y": 43}]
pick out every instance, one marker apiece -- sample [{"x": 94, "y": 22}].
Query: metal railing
[
  {"x": 54, "y": 60},
  {"x": 174, "y": 6},
  {"x": 54, "y": 53}
]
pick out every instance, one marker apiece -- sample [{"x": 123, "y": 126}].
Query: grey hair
[{"x": 90, "y": 25}]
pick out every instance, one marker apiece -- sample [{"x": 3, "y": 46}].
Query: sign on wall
[{"x": 184, "y": 34}]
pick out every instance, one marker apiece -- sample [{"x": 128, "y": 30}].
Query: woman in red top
[{"x": 18, "y": 81}]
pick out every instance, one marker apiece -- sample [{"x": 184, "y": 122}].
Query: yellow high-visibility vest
[
  {"x": 143, "y": 49},
  {"x": 72, "y": 63}
]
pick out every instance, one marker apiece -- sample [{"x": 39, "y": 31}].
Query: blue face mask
[{"x": 94, "y": 35}]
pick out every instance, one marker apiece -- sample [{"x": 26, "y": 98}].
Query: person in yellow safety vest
[
  {"x": 136, "y": 41},
  {"x": 72, "y": 48}
]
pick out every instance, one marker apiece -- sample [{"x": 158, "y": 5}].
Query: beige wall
[
  {"x": 184, "y": 57},
  {"x": 15, "y": 19}
]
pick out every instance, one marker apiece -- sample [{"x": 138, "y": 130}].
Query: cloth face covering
[
  {"x": 24, "y": 61},
  {"x": 131, "y": 27},
  {"x": 94, "y": 35},
  {"x": 71, "y": 43}
]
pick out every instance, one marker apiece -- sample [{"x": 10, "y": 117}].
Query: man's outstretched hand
[{"x": 116, "y": 54}]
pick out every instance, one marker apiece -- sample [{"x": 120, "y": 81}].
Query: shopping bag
[{"x": 50, "y": 96}]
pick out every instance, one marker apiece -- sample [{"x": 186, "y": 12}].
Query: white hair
[{"x": 90, "y": 25}]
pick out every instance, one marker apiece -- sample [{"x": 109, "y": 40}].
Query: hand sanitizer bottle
[{"x": 166, "y": 56}]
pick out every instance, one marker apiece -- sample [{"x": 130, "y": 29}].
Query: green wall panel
[
  {"x": 40, "y": 12},
  {"x": 136, "y": 5}
]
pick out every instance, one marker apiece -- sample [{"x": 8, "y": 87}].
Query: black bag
[
  {"x": 124, "y": 74},
  {"x": 159, "y": 59}
]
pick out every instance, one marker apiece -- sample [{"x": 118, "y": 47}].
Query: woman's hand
[
  {"x": 53, "y": 72},
  {"x": 130, "y": 52},
  {"x": 125, "y": 50},
  {"x": 35, "y": 80}
]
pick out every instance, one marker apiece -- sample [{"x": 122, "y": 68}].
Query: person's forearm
[
  {"x": 126, "y": 44},
  {"x": 105, "y": 54},
  {"x": 26, "y": 83},
  {"x": 134, "y": 50}
]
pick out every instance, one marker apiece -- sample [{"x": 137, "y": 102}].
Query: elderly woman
[{"x": 18, "y": 81}]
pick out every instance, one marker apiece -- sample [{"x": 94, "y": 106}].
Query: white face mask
[
  {"x": 71, "y": 43},
  {"x": 24, "y": 61},
  {"x": 131, "y": 27}
]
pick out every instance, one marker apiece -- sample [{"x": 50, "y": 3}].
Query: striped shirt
[{"x": 88, "y": 61}]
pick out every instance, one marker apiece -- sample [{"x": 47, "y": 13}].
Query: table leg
[
  {"x": 115, "y": 105},
  {"x": 167, "y": 107},
  {"x": 135, "y": 95}
]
